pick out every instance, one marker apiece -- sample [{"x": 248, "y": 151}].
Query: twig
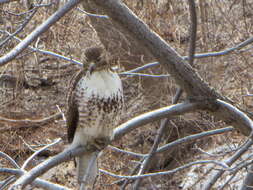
[
  {"x": 193, "y": 137},
  {"x": 45, "y": 52},
  {"x": 28, "y": 146},
  {"x": 63, "y": 115},
  {"x": 7, "y": 157},
  {"x": 38, "y": 152},
  {"x": 7, "y": 182},
  {"x": 144, "y": 75},
  {"x": 145, "y": 164},
  {"x": 143, "y": 67},
  {"x": 27, "y": 20},
  {"x": 93, "y": 15},
  {"x": 138, "y": 155}
]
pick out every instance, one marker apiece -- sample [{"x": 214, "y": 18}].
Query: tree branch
[
  {"x": 148, "y": 117},
  {"x": 37, "y": 182},
  {"x": 25, "y": 123}
]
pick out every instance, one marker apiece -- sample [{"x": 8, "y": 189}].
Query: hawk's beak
[{"x": 92, "y": 67}]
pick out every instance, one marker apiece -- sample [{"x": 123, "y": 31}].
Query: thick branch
[{"x": 148, "y": 117}]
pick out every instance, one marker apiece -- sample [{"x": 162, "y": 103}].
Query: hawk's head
[{"x": 96, "y": 59}]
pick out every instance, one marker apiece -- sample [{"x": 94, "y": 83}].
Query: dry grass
[{"x": 222, "y": 24}]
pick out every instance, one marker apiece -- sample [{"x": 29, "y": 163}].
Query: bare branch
[
  {"x": 93, "y": 15},
  {"x": 64, "y": 156},
  {"x": 144, "y": 75},
  {"x": 145, "y": 164},
  {"x": 45, "y": 52},
  {"x": 193, "y": 31},
  {"x": 235, "y": 116},
  {"x": 146, "y": 66},
  {"x": 38, "y": 152},
  {"x": 23, "y": 25},
  {"x": 201, "y": 55},
  {"x": 38, "y": 31},
  {"x": 226, "y": 51},
  {"x": 194, "y": 137},
  {"x": 7, "y": 1},
  {"x": 7, "y": 157},
  {"x": 138, "y": 155},
  {"x": 37, "y": 182},
  {"x": 25, "y": 123},
  {"x": 222, "y": 164},
  {"x": 70, "y": 153},
  {"x": 148, "y": 117},
  {"x": 186, "y": 139}
]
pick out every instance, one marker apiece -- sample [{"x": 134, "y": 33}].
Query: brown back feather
[{"x": 72, "y": 116}]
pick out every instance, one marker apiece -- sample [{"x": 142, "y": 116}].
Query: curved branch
[
  {"x": 148, "y": 117},
  {"x": 222, "y": 164}
]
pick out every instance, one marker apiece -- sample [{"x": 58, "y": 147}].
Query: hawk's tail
[{"x": 87, "y": 169}]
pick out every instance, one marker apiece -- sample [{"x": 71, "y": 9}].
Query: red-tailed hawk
[{"x": 95, "y": 101}]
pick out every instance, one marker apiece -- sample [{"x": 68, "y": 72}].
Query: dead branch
[
  {"x": 7, "y": 1},
  {"x": 151, "y": 155},
  {"x": 21, "y": 27},
  {"x": 37, "y": 182},
  {"x": 169, "y": 172},
  {"x": 26, "y": 123},
  {"x": 145, "y": 118}
]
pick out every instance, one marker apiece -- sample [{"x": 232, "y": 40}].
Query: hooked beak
[{"x": 92, "y": 67}]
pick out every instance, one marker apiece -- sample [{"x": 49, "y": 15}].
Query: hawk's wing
[{"x": 72, "y": 116}]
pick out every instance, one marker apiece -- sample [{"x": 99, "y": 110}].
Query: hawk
[{"x": 95, "y": 101}]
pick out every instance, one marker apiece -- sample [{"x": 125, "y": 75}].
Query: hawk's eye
[{"x": 99, "y": 59}]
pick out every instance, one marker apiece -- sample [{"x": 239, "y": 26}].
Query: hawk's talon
[{"x": 101, "y": 143}]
